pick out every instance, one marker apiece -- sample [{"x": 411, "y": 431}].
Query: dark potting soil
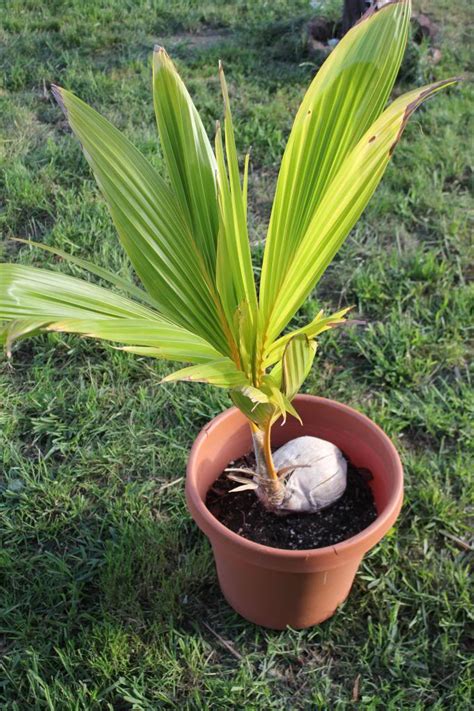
[{"x": 243, "y": 513}]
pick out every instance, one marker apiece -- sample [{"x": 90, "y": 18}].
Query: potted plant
[{"x": 188, "y": 242}]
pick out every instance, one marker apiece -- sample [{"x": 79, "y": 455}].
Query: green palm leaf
[
  {"x": 34, "y": 299},
  {"x": 254, "y": 403},
  {"x": 317, "y": 326},
  {"x": 149, "y": 223},
  {"x": 32, "y": 293},
  {"x": 92, "y": 268},
  {"x": 235, "y": 280},
  {"x": 348, "y": 93},
  {"x": 222, "y": 373},
  {"x": 191, "y": 163},
  {"x": 161, "y": 338},
  {"x": 296, "y": 364},
  {"x": 17, "y": 329},
  {"x": 31, "y": 298},
  {"x": 342, "y": 204}
]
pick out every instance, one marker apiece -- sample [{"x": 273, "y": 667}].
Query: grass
[{"x": 108, "y": 595}]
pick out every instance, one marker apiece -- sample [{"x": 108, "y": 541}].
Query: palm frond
[
  {"x": 346, "y": 96},
  {"x": 149, "y": 222}
]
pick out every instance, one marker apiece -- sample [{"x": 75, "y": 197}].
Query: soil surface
[{"x": 243, "y": 513}]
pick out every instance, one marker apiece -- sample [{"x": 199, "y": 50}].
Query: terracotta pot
[{"x": 274, "y": 587}]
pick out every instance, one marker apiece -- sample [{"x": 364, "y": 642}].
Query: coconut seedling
[{"x": 186, "y": 235}]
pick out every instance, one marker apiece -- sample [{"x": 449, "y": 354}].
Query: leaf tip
[
  {"x": 224, "y": 89},
  {"x": 160, "y": 55},
  {"x": 57, "y": 92},
  {"x": 375, "y": 8},
  {"x": 422, "y": 96}
]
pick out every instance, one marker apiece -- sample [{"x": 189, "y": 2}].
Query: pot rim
[{"x": 366, "y": 538}]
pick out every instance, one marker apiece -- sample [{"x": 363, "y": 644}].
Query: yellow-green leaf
[
  {"x": 32, "y": 293},
  {"x": 342, "y": 204},
  {"x": 149, "y": 222},
  {"x": 317, "y": 326},
  {"x": 348, "y": 93},
  {"x": 221, "y": 373},
  {"x": 254, "y": 403},
  {"x": 297, "y": 360},
  {"x": 163, "y": 338},
  {"x": 235, "y": 280},
  {"x": 188, "y": 154},
  {"x": 92, "y": 268}
]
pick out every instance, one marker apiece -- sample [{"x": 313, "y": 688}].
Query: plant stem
[
  {"x": 267, "y": 450},
  {"x": 271, "y": 489}
]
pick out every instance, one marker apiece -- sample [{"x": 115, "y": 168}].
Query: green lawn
[{"x": 109, "y": 598}]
